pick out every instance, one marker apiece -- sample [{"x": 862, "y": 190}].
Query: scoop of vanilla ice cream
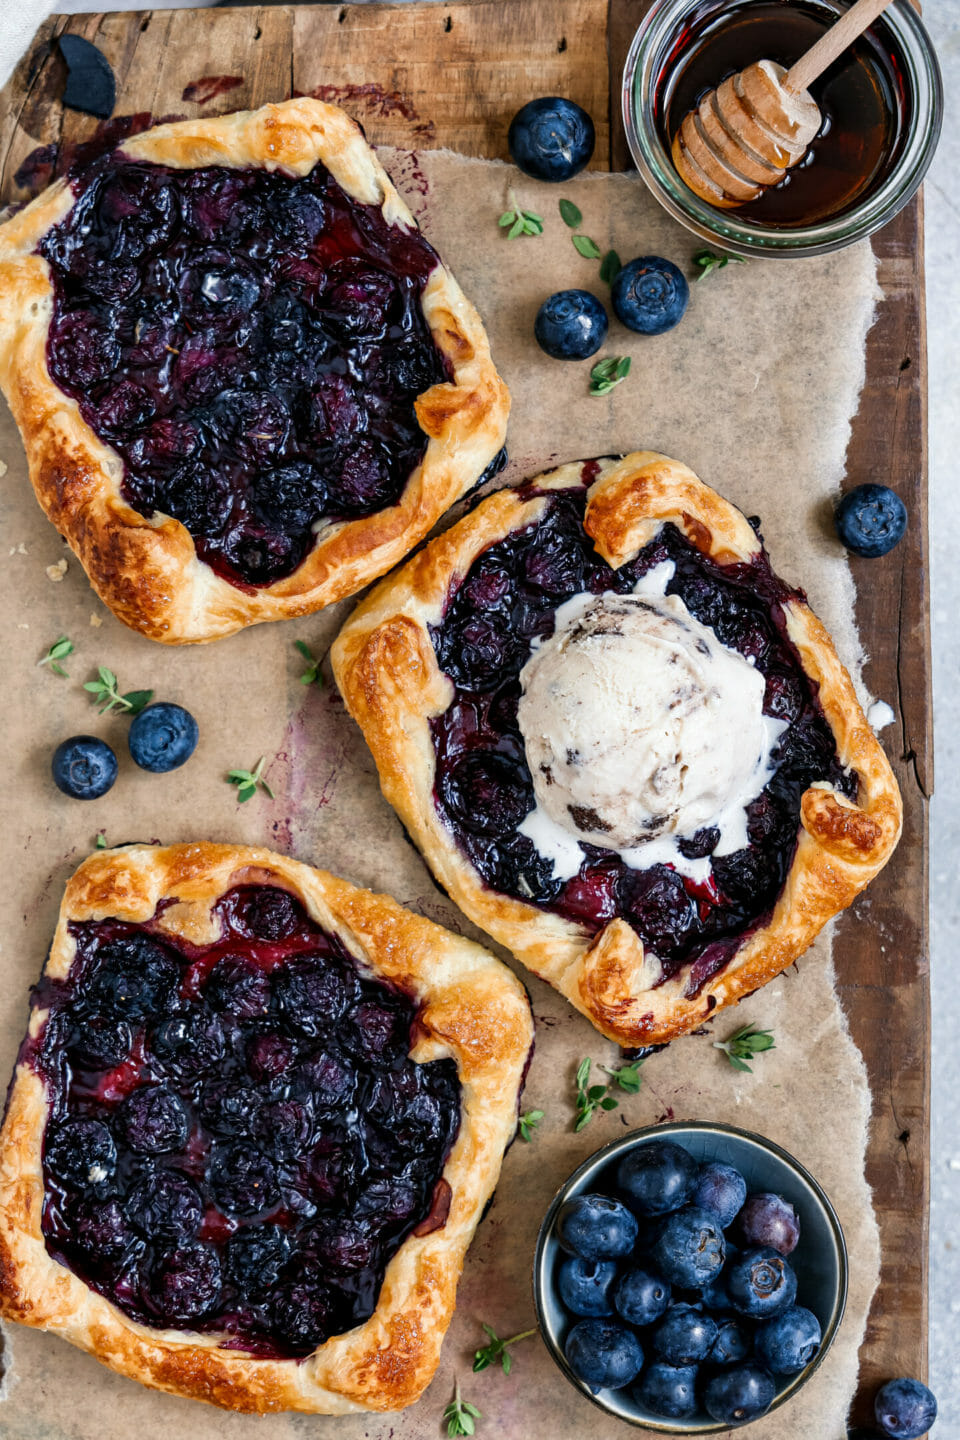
[{"x": 639, "y": 723}]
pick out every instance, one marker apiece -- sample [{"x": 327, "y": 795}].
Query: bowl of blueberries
[{"x": 690, "y": 1278}]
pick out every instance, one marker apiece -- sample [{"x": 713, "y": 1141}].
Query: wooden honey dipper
[{"x": 744, "y": 137}]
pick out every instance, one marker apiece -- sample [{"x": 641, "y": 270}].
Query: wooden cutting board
[{"x": 430, "y": 75}]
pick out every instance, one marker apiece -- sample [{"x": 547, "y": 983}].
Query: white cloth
[{"x": 19, "y": 20}]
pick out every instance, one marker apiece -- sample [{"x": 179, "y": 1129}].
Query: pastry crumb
[
  {"x": 96, "y": 621},
  {"x": 23, "y": 626},
  {"x": 3, "y": 468},
  {"x": 57, "y": 572},
  {"x": 20, "y": 549}
]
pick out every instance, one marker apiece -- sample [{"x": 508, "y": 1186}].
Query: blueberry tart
[
  {"x": 245, "y": 382},
  {"x": 252, "y": 1128},
  {"x": 624, "y": 746}
]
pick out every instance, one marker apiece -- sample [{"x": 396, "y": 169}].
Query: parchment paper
[{"x": 755, "y": 390}]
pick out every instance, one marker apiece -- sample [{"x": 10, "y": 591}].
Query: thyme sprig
[
  {"x": 744, "y": 1044},
  {"x": 58, "y": 651},
  {"x": 105, "y": 691},
  {"x": 247, "y": 781}
]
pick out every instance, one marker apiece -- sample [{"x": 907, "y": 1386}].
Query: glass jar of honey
[{"x": 881, "y": 103}]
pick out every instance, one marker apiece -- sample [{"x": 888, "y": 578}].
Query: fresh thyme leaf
[
  {"x": 570, "y": 215},
  {"x": 708, "y": 260},
  {"x": 518, "y": 222},
  {"x": 744, "y": 1044},
  {"x": 586, "y": 247},
  {"x": 312, "y": 673},
  {"x": 498, "y": 1349},
  {"x": 528, "y": 1123},
  {"x": 59, "y": 650},
  {"x": 106, "y": 694},
  {"x": 460, "y": 1416},
  {"x": 590, "y": 1098},
  {"x": 100, "y": 841},
  {"x": 610, "y": 267},
  {"x": 628, "y": 1077},
  {"x": 247, "y": 781},
  {"x": 609, "y": 373}
]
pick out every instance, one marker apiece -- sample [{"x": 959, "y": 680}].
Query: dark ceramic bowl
[{"x": 820, "y": 1259}]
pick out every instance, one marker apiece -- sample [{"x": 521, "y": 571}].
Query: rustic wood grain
[{"x": 453, "y": 75}]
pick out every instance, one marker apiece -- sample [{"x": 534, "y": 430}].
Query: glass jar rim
[{"x": 922, "y": 76}]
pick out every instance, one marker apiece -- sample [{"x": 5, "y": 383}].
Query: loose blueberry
[
  {"x": 721, "y": 1189},
  {"x": 595, "y": 1227},
  {"x": 571, "y": 325},
  {"x": 551, "y": 138},
  {"x": 770, "y": 1220},
  {"x": 163, "y": 737},
  {"x": 787, "y": 1344},
  {"x": 603, "y": 1354},
  {"x": 731, "y": 1345},
  {"x": 84, "y": 767},
  {"x": 650, "y": 295},
  {"x": 735, "y": 1396},
  {"x": 91, "y": 87},
  {"x": 82, "y": 1153},
  {"x": 905, "y": 1409},
  {"x": 690, "y": 1249},
  {"x": 668, "y": 1390},
  {"x": 641, "y": 1298},
  {"x": 685, "y": 1336},
  {"x": 871, "y": 520},
  {"x": 761, "y": 1283},
  {"x": 658, "y": 1178},
  {"x": 585, "y": 1285}
]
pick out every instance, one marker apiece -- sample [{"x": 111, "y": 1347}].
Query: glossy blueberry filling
[
  {"x": 483, "y": 785},
  {"x": 238, "y": 1141},
  {"x": 251, "y": 344}
]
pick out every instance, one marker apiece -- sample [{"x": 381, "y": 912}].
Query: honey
[{"x": 862, "y": 98}]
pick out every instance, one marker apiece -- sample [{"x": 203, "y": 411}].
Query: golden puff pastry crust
[
  {"x": 387, "y": 671},
  {"x": 146, "y": 568},
  {"x": 472, "y": 1009}
]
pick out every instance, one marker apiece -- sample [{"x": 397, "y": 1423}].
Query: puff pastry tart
[
  {"x": 252, "y": 1129},
  {"x": 624, "y": 746},
  {"x": 245, "y": 382}
]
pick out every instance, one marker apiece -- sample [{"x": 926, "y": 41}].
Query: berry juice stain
[{"x": 862, "y": 98}]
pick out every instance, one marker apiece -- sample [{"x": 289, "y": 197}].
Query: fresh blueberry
[
  {"x": 571, "y": 325},
  {"x": 721, "y": 1189},
  {"x": 668, "y": 1390},
  {"x": 735, "y": 1396},
  {"x": 603, "y": 1354},
  {"x": 585, "y": 1285},
  {"x": 84, "y": 767},
  {"x": 770, "y": 1220},
  {"x": 657, "y": 1178},
  {"x": 650, "y": 295},
  {"x": 684, "y": 1336},
  {"x": 163, "y": 737},
  {"x": 551, "y": 138},
  {"x": 761, "y": 1283},
  {"x": 731, "y": 1345},
  {"x": 595, "y": 1227},
  {"x": 641, "y": 1298},
  {"x": 905, "y": 1409},
  {"x": 690, "y": 1250},
  {"x": 788, "y": 1343},
  {"x": 871, "y": 520}
]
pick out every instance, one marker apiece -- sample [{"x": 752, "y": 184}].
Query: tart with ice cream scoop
[
  {"x": 625, "y": 747},
  {"x": 252, "y": 1129}
]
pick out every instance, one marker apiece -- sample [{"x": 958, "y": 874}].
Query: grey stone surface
[{"x": 943, "y": 299}]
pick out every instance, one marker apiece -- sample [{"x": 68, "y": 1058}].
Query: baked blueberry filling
[
  {"x": 251, "y": 344},
  {"x": 238, "y": 1140},
  {"x": 484, "y": 789}
]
